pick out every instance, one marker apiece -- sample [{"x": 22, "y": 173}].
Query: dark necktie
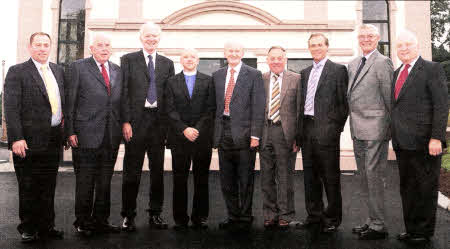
[
  {"x": 401, "y": 80},
  {"x": 106, "y": 78},
  {"x": 151, "y": 93},
  {"x": 363, "y": 62}
]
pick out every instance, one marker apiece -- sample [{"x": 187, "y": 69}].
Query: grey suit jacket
[
  {"x": 89, "y": 108},
  {"x": 246, "y": 106},
  {"x": 369, "y": 98},
  {"x": 290, "y": 103}
]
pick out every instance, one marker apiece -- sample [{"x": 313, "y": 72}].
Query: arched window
[
  {"x": 377, "y": 14},
  {"x": 71, "y": 31}
]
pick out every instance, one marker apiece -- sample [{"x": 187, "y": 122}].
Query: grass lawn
[{"x": 446, "y": 161}]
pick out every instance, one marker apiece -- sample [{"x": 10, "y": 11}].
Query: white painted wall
[{"x": 105, "y": 9}]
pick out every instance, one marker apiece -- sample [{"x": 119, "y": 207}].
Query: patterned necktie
[
  {"x": 106, "y": 78},
  {"x": 229, "y": 92},
  {"x": 363, "y": 62},
  {"x": 275, "y": 100},
  {"x": 312, "y": 86},
  {"x": 151, "y": 92},
  {"x": 50, "y": 90},
  {"x": 401, "y": 80}
]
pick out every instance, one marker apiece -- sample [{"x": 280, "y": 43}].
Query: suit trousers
[
  {"x": 236, "y": 167},
  {"x": 321, "y": 171},
  {"x": 93, "y": 171},
  {"x": 182, "y": 157},
  {"x": 419, "y": 183},
  {"x": 277, "y": 169},
  {"x": 36, "y": 177},
  {"x": 371, "y": 160},
  {"x": 146, "y": 139}
]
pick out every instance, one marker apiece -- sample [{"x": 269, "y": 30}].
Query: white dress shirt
[{"x": 411, "y": 65}]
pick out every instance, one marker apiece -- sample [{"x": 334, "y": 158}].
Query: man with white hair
[
  {"x": 92, "y": 125},
  {"x": 144, "y": 124},
  {"x": 239, "y": 120},
  {"x": 419, "y": 120},
  {"x": 369, "y": 100}
]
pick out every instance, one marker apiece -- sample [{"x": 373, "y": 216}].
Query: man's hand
[
  {"x": 295, "y": 148},
  {"x": 254, "y": 142},
  {"x": 191, "y": 134},
  {"x": 19, "y": 148},
  {"x": 435, "y": 147},
  {"x": 127, "y": 131},
  {"x": 73, "y": 141}
]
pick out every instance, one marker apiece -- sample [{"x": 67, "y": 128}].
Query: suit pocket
[{"x": 373, "y": 113}]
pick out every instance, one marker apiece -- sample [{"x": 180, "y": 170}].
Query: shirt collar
[
  {"x": 411, "y": 65},
  {"x": 369, "y": 54},
  {"x": 100, "y": 64},
  {"x": 279, "y": 76},
  {"x": 190, "y": 73},
  {"x": 236, "y": 68},
  {"x": 147, "y": 54},
  {"x": 320, "y": 63},
  {"x": 39, "y": 65}
]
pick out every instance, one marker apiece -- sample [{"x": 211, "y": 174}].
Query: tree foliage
[{"x": 440, "y": 22}]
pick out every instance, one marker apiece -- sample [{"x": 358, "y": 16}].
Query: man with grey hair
[
  {"x": 369, "y": 99},
  {"x": 144, "y": 124},
  {"x": 93, "y": 97},
  {"x": 419, "y": 120},
  {"x": 240, "y": 102}
]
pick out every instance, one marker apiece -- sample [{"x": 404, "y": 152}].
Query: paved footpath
[{"x": 354, "y": 214}]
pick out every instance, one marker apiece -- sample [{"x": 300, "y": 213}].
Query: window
[
  {"x": 71, "y": 31},
  {"x": 210, "y": 65},
  {"x": 377, "y": 14},
  {"x": 297, "y": 65}
]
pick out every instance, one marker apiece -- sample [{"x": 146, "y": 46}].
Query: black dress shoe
[
  {"x": 200, "y": 225},
  {"x": 329, "y": 228},
  {"x": 371, "y": 234},
  {"x": 156, "y": 221},
  {"x": 417, "y": 239},
  {"x": 303, "y": 224},
  {"x": 52, "y": 233},
  {"x": 107, "y": 228},
  {"x": 29, "y": 237},
  {"x": 360, "y": 229},
  {"x": 84, "y": 231},
  {"x": 181, "y": 227},
  {"x": 128, "y": 225},
  {"x": 228, "y": 224},
  {"x": 403, "y": 236}
]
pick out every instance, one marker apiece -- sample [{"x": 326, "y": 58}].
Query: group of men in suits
[{"x": 238, "y": 110}]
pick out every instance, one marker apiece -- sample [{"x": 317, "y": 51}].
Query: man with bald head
[
  {"x": 419, "y": 120},
  {"x": 369, "y": 100},
  {"x": 144, "y": 124},
  {"x": 190, "y": 104},
  {"x": 239, "y": 119},
  {"x": 94, "y": 88}
]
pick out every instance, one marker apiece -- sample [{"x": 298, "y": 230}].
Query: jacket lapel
[
  {"x": 266, "y": 80},
  {"x": 197, "y": 84},
  {"x": 143, "y": 65},
  {"x": 37, "y": 78},
  {"x": 96, "y": 71},
  {"x": 59, "y": 81},
  {"x": 366, "y": 68},
  {"x": 323, "y": 75},
  {"x": 242, "y": 77},
  {"x": 305, "y": 87},
  {"x": 416, "y": 68},
  {"x": 220, "y": 86},
  {"x": 284, "y": 85},
  {"x": 183, "y": 86}
]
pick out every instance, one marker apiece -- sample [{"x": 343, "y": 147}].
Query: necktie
[
  {"x": 401, "y": 80},
  {"x": 229, "y": 92},
  {"x": 312, "y": 86},
  {"x": 106, "y": 78},
  {"x": 363, "y": 62},
  {"x": 151, "y": 92},
  {"x": 50, "y": 90},
  {"x": 275, "y": 100}
]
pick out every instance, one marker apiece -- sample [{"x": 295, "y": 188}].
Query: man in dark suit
[
  {"x": 419, "y": 120},
  {"x": 34, "y": 100},
  {"x": 144, "y": 125},
  {"x": 323, "y": 110},
  {"x": 240, "y": 102},
  {"x": 278, "y": 150},
  {"x": 93, "y": 115},
  {"x": 190, "y": 104}
]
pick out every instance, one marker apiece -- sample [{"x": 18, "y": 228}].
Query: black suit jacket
[
  {"x": 421, "y": 109},
  {"x": 89, "y": 107},
  {"x": 136, "y": 80},
  {"x": 27, "y": 107},
  {"x": 330, "y": 103},
  {"x": 184, "y": 111},
  {"x": 246, "y": 107}
]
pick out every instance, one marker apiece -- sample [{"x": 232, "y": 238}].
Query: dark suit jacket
[
  {"x": 27, "y": 107},
  {"x": 330, "y": 103},
  {"x": 184, "y": 111},
  {"x": 421, "y": 109},
  {"x": 89, "y": 108},
  {"x": 246, "y": 106},
  {"x": 135, "y": 86}
]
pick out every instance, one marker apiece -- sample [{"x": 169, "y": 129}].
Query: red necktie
[
  {"x": 401, "y": 80},
  {"x": 229, "y": 92},
  {"x": 106, "y": 78}
]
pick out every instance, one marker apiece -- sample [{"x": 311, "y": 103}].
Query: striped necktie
[
  {"x": 311, "y": 92},
  {"x": 50, "y": 90},
  {"x": 275, "y": 100}
]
